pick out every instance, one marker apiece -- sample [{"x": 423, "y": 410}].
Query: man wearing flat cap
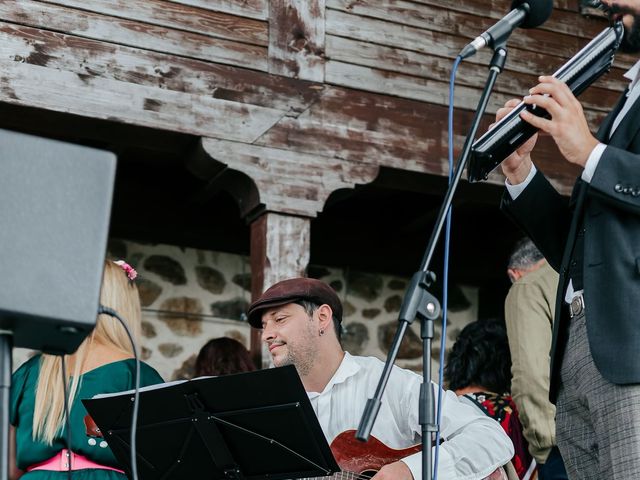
[{"x": 301, "y": 320}]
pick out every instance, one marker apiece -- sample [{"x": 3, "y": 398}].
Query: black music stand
[{"x": 253, "y": 426}]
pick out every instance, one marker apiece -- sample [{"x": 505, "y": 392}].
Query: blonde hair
[{"x": 118, "y": 293}]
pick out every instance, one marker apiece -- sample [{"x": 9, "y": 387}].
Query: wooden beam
[
  {"x": 33, "y": 86},
  {"x": 296, "y": 38}
]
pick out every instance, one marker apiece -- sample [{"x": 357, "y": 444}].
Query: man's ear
[
  {"x": 325, "y": 317},
  {"x": 514, "y": 274}
]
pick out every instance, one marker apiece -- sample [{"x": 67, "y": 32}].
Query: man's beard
[{"x": 631, "y": 39}]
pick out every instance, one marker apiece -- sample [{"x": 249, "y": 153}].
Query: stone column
[{"x": 279, "y": 250}]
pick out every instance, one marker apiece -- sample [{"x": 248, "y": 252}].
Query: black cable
[
  {"x": 134, "y": 416},
  {"x": 67, "y": 416}
]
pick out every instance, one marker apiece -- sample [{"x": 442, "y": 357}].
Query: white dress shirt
[
  {"x": 474, "y": 444},
  {"x": 633, "y": 93}
]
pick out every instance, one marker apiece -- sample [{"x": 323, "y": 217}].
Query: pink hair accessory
[{"x": 128, "y": 269}]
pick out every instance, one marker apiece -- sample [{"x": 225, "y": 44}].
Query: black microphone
[{"x": 524, "y": 13}]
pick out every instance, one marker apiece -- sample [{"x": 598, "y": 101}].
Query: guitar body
[
  {"x": 362, "y": 460},
  {"x": 365, "y": 458}
]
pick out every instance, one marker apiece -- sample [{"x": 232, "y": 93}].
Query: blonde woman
[{"x": 102, "y": 364}]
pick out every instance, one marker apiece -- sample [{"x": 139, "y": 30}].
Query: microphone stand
[{"x": 418, "y": 302}]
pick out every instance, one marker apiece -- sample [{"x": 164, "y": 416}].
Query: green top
[{"x": 109, "y": 378}]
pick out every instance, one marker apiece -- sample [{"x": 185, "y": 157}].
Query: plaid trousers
[{"x": 597, "y": 422}]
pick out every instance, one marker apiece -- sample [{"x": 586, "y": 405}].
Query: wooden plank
[
  {"x": 416, "y": 88},
  {"x": 510, "y": 83},
  {"x": 176, "y": 16},
  {"x": 564, "y": 21},
  {"x": 440, "y": 41},
  {"x": 130, "y": 33},
  {"x": 86, "y": 95},
  {"x": 257, "y": 9},
  {"x": 296, "y": 38},
  {"x": 115, "y": 62}
]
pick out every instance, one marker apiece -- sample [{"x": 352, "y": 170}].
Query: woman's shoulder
[
  {"x": 31, "y": 365},
  {"x": 129, "y": 365}
]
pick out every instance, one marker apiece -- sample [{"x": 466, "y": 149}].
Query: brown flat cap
[{"x": 292, "y": 290}]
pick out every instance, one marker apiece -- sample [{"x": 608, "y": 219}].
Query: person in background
[
  {"x": 528, "y": 311},
  {"x": 222, "y": 356},
  {"x": 301, "y": 321},
  {"x": 103, "y": 363},
  {"x": 478, "y": 369}
]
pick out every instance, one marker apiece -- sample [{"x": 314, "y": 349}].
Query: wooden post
[
  {"x": 279, "y": 250},
  {"x": 297, "y": 39}
]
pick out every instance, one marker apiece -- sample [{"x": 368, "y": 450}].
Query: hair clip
[{"x": 128, "y": 269}]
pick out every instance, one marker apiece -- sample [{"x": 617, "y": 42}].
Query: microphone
[{"x": 524, "y": 13}]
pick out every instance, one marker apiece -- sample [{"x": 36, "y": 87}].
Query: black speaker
[{"x": 55, "y": 205}]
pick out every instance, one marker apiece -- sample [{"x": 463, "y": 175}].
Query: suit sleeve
[
  {"x": 616, "y": 180},
  {"x": 543, "y": 214}
]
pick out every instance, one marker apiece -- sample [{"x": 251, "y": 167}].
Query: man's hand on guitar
[
  {"x": 394, "y": 471},
  {"x": 516, "y": 166}
]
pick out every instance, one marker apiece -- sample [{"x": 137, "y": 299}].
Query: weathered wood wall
[{"x": 363, "y": 82}]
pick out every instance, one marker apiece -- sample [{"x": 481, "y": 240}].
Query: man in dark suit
[{"x": 593, "y": 241}]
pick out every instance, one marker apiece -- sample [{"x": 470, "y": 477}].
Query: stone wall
[{"x": 189, "y": 296}]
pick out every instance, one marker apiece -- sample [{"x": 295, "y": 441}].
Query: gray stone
[
  {"x": 371, "y": 313},
  {"x": 166, "y": 268},
  {"x": 315, "y": 271},
  {"x": 170, "y": 350},
  {"x": 458, "y": 302},
  {"x": 181, "y": 314},
  {"x": 411, "y": 346},
  {"x": 186, "y": 370},
  {"x": 148, "y": 330},
  {"x": 364, "y": 285},
  {"x": 237, "y": 335},
  {"x": 392, "y": 304},
  {"x": 146, "y": 353},
  {"x": 234, "y": 309},
  {"x": 396, "y": 284},
  {"x": 149, "y": 291},
  {"x": 210, "y": 279},
  {"x": 348, "y": 309},
  {"x": 135, "y": 260},
  {"x": 117, "y": 249},
  {"x": 337, "y": 285},
  {"x": 243, "y": 280},
  {"x": 355, "y": 338}
]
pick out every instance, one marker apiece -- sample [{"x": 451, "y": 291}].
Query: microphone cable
[
  {"x": 67, "y": 416},
  {"x": 136, "y": 396},
  {"x": 445, "y": 273}
]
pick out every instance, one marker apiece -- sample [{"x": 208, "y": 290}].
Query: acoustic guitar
[{"x": 362, "y": 460}]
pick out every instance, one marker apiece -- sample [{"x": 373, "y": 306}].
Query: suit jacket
[{"x": 607, "y": 212}]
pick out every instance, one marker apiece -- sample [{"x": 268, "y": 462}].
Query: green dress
[{"x": 112, "y": 377}]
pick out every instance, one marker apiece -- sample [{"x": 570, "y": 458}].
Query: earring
[{"x": 321, "y": 332}]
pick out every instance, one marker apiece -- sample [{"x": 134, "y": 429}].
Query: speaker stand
[{"x": 6, "y": 343}]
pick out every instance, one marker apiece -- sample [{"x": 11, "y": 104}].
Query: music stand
[{"x": 254, "y": 426}]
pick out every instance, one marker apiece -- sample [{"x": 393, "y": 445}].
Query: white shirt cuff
[
  {"x": 515, "y": 190},
  {"x": 592, "y": 162}
]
